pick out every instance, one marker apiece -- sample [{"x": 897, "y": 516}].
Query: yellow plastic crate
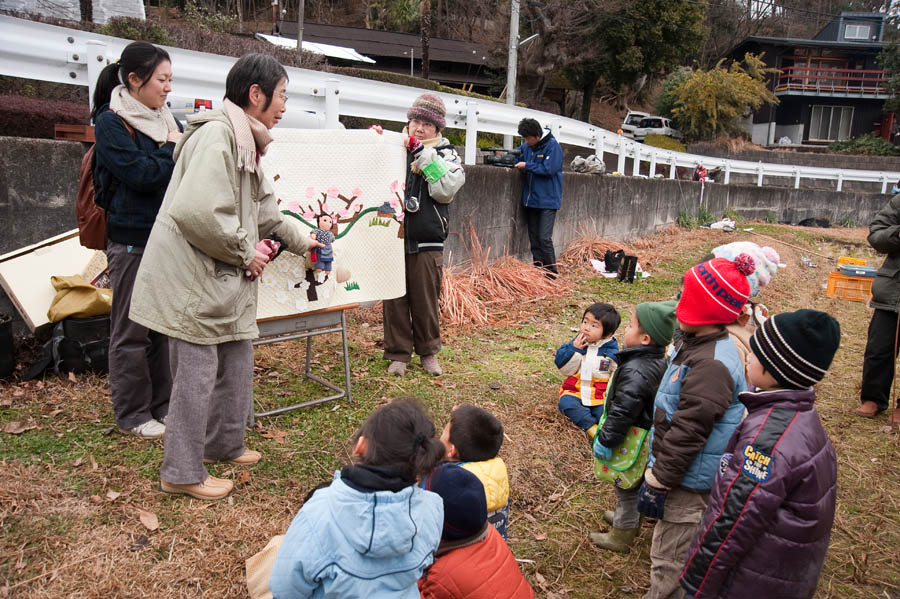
[
  {"x": 855, "y": 289},
  {"x": 852, "y": 261}
]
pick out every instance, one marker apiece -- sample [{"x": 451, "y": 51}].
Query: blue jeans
[
  {"x": 583, "y": 416},
  {"x": 540, "y": 234}
]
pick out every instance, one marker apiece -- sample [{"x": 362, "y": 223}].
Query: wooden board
[{"x": 25, "y": 273}]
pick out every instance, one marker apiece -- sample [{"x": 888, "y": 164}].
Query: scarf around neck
[
  {"x": 155, "y": 123},
  {"x": 251, "y": 136}
]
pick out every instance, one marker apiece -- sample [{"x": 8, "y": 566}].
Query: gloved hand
[
  {"x": 601, "y": 451},
  {"x": 652, "y": 501},
  {"x": 412, "y": 144}
]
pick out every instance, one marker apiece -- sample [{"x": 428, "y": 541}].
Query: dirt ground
[{"x": 81, "y": 516}]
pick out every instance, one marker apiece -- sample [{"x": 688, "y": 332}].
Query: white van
[{"x": 632, "y": 120}]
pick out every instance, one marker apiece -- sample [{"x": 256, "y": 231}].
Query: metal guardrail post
[
  {"x": 727, "y": 179},
  {"x": 759, "y": 174},
  {"x": 796, "y": 178},
  {"x": 652, "y": 172},
  {"x": 636, "y": 163},
  {"x": 332, "y": 104},
  {"x": 883, "y": 183},
  {"x": 96, "y": 61},
  {"x": 555, "y": 126},
  {"x": 840, "y": 180},
  {"x": 673, "y": 167},
  {"x": 620, "y": 165},
  {"x": 471, "y": 131}
]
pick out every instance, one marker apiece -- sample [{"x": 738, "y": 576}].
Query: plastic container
[
  {"x": 853, "y": 261},
  {"x": 855, "y": 289},
  {"x": 857, "y": 271}
]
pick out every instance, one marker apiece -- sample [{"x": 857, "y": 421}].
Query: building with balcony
[{"x": 829, "y": 87}]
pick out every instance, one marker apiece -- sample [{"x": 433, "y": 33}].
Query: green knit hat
[{"x": 658, "y": 320}]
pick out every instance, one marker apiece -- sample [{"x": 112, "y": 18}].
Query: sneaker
[
  {"x": 431, "y": 366},
  {"x": 152, "y": 429},
  {"x": 248, "y": 458},
  {"x": 211, "y": 489},
  {"x": 397, "y": 368},
  {"x": 868, "y": 409}
]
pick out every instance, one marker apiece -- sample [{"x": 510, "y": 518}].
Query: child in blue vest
[
  {"x": 587, "y": 362},
  {"x": 696, "y": 411},
  {"x": 473, "y": 437},
  {"x": 372, "y": 531}
]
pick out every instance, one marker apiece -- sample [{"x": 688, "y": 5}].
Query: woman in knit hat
[{"x": 435, "y": 175}]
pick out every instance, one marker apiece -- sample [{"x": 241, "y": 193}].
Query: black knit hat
[
  {"x": 465, "y": 504},
  {"x": 797, "y": 347}
]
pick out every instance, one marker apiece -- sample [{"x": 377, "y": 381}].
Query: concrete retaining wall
[{"x": 39, "y": 181}]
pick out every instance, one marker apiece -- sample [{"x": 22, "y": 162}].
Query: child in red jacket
[{"x": 472, "y": 561}]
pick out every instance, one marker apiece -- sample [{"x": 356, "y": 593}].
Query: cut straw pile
[
  {"x": 475, "y": 294},
  {"x": 583, "y": 249}
]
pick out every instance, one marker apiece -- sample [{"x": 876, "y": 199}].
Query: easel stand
[{"x": 306, "y": 326}]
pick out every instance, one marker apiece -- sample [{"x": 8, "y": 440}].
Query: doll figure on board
[{"x": 322, "y": 255}]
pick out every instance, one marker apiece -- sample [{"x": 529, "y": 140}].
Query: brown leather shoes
[
  {"x": 211, "y": 489},
  {"x": 248, "y": 458},
  {"x": 894, "y": 418},
  {"x": 868, "y": 409}
]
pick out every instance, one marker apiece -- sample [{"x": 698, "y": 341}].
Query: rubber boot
[
  {"x": 590, "y": 434},
  {"x": 617, "y": 539},
  {"x": 608, "y": 517}
]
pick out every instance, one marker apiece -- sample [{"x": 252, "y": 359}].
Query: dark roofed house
[
  {"x": 829, "y": 87},
  {"x": 452, "y": 62}
]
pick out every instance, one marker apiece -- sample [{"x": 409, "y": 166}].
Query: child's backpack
[{"x": 91, "y": 207}]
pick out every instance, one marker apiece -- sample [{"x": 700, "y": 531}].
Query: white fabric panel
[{"x": 359, "y": 177}]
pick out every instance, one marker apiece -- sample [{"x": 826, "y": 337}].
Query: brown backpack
[{"x": 90, "y": 211}]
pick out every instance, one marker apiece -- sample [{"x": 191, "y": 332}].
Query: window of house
[
  {"x": 830, "y": 123},
  {"x": 856, "y": 32}
]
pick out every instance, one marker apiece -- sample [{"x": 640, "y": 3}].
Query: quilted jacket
[
  {"x": 766, "y": 530},
  {"x": 543, "y": 174},
  {"x": 478, "y": 568},
  {"x": 629, "y": 398}
]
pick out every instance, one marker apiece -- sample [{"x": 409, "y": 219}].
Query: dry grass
[{"x": 62, "y": 535}]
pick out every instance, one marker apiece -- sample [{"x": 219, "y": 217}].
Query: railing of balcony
[{"x": 824, "y": 80}]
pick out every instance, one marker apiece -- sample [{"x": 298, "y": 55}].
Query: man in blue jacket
[{"x": 542, "y": 160}]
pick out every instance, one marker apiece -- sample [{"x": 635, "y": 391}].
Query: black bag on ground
[
  {"x": 77, "y": 345},
  {"x": 7, "y": 346},
  {"x": 627, "y": 269},
  {"x": 612, "y": 260}
]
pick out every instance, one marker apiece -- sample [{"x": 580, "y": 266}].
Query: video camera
[{"x": 501, "y": 157}]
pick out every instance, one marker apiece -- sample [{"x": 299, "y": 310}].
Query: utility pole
[
  {"x": 300, "y": 10},
  {"x": 513, "y": 61}
]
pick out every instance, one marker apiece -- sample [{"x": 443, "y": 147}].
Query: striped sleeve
[{"x": 755, "y": 485}]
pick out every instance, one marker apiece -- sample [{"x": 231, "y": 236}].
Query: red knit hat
[{"x": 715, "y": 291}]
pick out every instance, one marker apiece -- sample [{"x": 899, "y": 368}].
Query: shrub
[
  {"x": 201, "y": 19},
  {"x": 35, "y": 117},
  {"x": 869, "y": 144},
  {"x": 666, "y": 143},
  {"x": 136, "y": 29}
]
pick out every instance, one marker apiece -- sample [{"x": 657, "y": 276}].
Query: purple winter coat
[{"x": 766, "y": 530}]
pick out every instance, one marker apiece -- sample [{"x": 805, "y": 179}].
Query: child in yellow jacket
[{"x": 473, "y": 437}]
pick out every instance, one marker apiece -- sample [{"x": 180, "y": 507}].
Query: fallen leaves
[
  {"x": 244, "y": 477},
  {"x": 149, "y": 520},
  {"x": 277, "y": 435},
  {"x": 112, "y": 495},
  {"x": 19, "y": 426}
]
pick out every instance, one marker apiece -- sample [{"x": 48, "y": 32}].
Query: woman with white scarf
[{"x": 135, "y": 140}]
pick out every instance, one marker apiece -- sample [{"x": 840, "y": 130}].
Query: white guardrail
[{"x": 44, "y": 52}]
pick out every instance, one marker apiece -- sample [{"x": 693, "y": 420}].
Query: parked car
[
  {"x": 655, "y": 125},
  {"x": 632, "y": 120}
]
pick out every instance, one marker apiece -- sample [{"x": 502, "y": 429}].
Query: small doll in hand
[{"x": 322, "y": 238}]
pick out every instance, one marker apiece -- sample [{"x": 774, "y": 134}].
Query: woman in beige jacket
[{"x": 196, "y": 282}]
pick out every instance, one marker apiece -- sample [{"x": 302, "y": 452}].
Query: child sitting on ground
[
  {"x": 588, "y": 361},
  {"x": 373, "y": 531},
  {"x": 773, "y": 502},
  {"x": 472, "y": 561},
  {"x": 472, "y": 438},
  {"x": 696, "y": 411},
  {"x": 629, "y": 407}
]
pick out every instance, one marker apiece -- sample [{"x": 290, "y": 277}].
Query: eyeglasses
[{"x": 284, "y": 97}]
